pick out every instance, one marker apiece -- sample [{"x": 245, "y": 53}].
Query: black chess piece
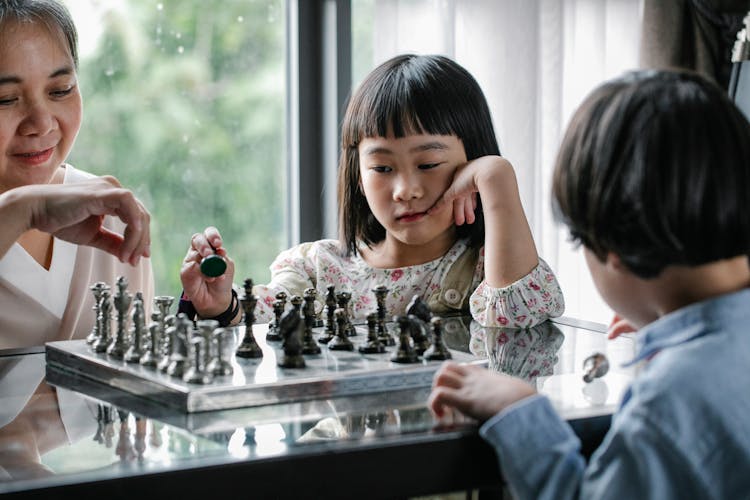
[
  {"x": 595, "y": 366},
  {"x": 419, "y": 334},
  {"x": 309, "y": 346},
  {"x": 341, "y": 341},
  {"x": 291, "y": 329},
  {"x": 373, "y": 345},
  {"x": 249, "y": 347},
  {"x": 381, "y": 292},
  {"x": 418, "y": 308},
  {"x": 273, "y": 328},
  {"x": 438, "y": 350},
  {"x": 406, "y": 352},
  {"x": 343, "y": 298}
]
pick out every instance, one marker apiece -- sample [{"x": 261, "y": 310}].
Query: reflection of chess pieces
[
  {"x": 97, "y": 289},
  {"x": 373, "y": 344},
  {"x": 595, "y": 366},
  {"x": 381, "y": 292},
  {"x": 105, "y": 317},
  {"x": 99, "y": 436},
  {"x": 124, "y": 448},
  {"x": 138, "y": 320},
  {"x": 341, "y": 341},
  {"x": 291, "y": 328},
  {"x": 139, "y": 444},
  {"x": 122, "y": 300},
  {"x": 151, "y": 356},
  {"x": 249, "y": 347},
  {"x": 218, "y": 364},
  {"x": 155, "y": 437},
  {"x": 197, "y": 373},
  {"x": 405, "y": 353},
  {"x": 179, "y": 347},
  {"x": 309, "y": 346},
  {"x": 437, "y": 351}
]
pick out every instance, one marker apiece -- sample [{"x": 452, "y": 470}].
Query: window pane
[{"x": 184, "y": 103}]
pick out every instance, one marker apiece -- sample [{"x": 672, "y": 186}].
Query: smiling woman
[{"x": 44, "y": 279}]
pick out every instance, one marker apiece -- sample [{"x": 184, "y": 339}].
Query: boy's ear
[{"x": 613, "y": 261}]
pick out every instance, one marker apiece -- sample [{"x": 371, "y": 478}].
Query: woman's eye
[
  {"x": 7, "y": 101},
  {"x": 62, "y": 92}
]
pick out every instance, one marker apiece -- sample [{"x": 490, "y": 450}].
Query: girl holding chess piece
[
  {"x": 427, "y": 207},
  {"x": 653, "y": 179},
  {"x": 57, "y": 233}
]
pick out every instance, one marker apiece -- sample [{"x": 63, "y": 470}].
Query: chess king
[
  {"x": 45, "y": 278},
  {"x": 427, "y": 207}
]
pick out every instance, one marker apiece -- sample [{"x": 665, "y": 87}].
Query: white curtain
[{"x": 535, "y": 60}]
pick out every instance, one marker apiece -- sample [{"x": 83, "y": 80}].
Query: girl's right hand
[{"x": 210, "y": 296}]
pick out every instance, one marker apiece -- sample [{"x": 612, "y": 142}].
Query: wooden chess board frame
[{"x": 259, "y": 381}]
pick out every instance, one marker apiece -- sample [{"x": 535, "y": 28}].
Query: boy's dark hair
[
  {"x": 655, "y": 168},
  {"x": 409, "y": 94},
  {"x": 51, "y": 13}
]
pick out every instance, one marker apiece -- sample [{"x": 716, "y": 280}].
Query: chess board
[{"x": 259, "y": 381}]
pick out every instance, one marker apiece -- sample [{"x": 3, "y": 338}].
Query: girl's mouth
[{"x": 411, "y": 217}]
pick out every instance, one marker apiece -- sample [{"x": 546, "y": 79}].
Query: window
[{"x": 184, "y": 104}]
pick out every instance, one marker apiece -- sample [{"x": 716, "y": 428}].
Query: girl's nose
[
  {"x": 38, "y": 120},
  {"x": 408, "y": 187}
]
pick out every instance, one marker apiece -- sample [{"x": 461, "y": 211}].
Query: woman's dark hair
[
  {"x": 409, "y": 94},
  {"x": 655, "y": 168},
  {"x": 51, "y": 13}
]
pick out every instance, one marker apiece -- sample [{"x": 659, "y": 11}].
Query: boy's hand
[
  {"x": 618, "y": 326},
  {"x": 474, "y": 391},
  {"x": 210, "y": 296}
]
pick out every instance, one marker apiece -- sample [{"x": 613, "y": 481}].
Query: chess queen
[
  {"x": 427, "y": 207},
  {"x": 46, "y": 271}
]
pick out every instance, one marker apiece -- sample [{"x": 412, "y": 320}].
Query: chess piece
[
  {"x": 381, "y": 292},
  {"x": 151, "y": 356},
  {"x": 341, "y": 341},
  {"x": 437, "y": 351},
  {"x": 105, "y": 316},
  {"x": 291, "y": 328},
  {"x": 373, "y": 345},
  {"x": 218, "y": 364},
  {"x": 162, "y": 303},
  {"x": 213, "y": 265},
  {"x": 137, "y": 330},
  {"x": 418, "y": 308},
  {"x": 97, "y": 289},
  {"x": 309, "y": 346},
  {"x": 418, "y": 332},
  {"x": 405, "y": 353},
  {"x": 249, "y": 347},
  {"x": 166, "y": 357},
  {"x": 179, "y": 354},
  {"x": 278, "y": 310},
  {"x": 197, "y": 374},
  {"x": 343, "y": 299},
  {"x": 206, "y": 329},
  {"x": 122, "y": 300},
  {"x": 595, "y": 366}
]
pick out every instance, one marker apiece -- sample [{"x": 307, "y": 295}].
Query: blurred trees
[{"x": 184, "y": 103}]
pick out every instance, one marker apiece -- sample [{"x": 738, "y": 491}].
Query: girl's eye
[
  {"x": 381, "y": 168},
  {"x": 7, "y": 101},
  {"x": 428, "y": 166}
]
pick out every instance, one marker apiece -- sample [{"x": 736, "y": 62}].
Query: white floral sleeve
[{"x": 529, "y": 301}]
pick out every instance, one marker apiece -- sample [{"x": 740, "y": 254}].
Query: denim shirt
[{"x": 682, "y": 429}]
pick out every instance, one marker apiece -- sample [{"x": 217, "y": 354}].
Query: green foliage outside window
[{"x": 184, "y": 104}]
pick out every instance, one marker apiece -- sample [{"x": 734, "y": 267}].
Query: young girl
[
  {"x": 44, "y": 279},
  {"x": 653, "y": 178},
  {"x": 427, "y": 206}
]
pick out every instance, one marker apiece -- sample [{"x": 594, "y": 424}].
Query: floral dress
[{"x": 527, "y": 302}]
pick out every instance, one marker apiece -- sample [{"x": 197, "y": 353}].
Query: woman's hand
[
  {"x": 75, "y": 212},
  {"x": 210, "y": 296}
]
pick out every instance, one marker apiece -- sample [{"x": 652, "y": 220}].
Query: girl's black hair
[
  {"x": 655, "y": 167},
  {"x": 409, "y": 94}
]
